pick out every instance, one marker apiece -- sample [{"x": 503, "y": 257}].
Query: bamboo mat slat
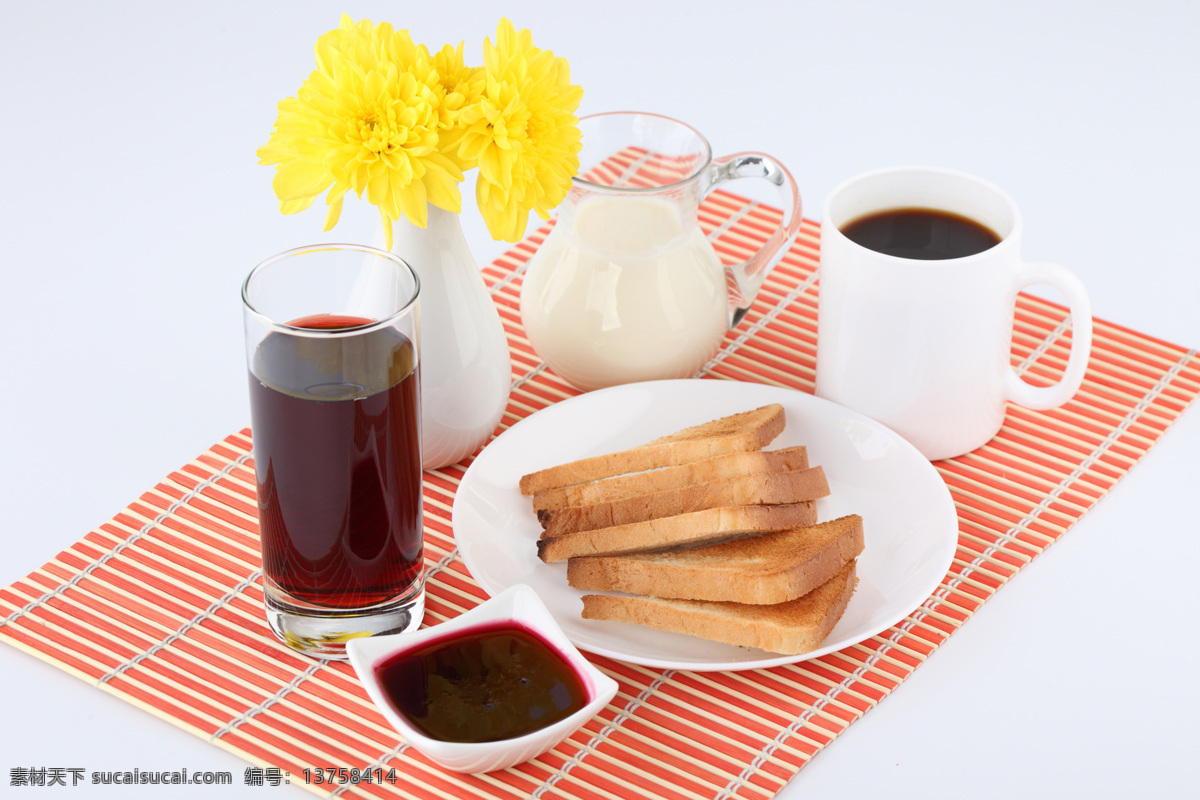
[{"x": 162, "y": 605}]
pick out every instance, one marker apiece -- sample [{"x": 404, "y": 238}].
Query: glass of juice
[{"x": 333, "y": 355}]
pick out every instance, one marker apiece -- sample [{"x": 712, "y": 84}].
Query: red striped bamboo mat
[{"x": 162, "y": 606}]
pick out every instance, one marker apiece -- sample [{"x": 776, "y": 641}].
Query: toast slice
[
  {"x": 729, "y": 465},
  {"x": 745, "y": 490},
  {"x": 758, "y": 570},
  {"x": 749, "y": 430},
  {"x": 792, "y": 628},
  {"x": 695, "y": 529}
]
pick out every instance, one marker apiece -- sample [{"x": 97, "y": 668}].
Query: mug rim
[
  {"x": 693, "y": 176},
  {"x": 330, "y": 333},
  {"x": 1013, "y": 233}
]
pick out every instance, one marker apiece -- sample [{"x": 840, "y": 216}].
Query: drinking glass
[{"x": 333, "y": 353}]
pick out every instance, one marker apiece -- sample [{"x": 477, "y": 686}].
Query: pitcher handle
[{"x": 746, "y": 278}]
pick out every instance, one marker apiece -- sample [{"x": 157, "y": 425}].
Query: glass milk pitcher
[{"x": 627, "y": 287}]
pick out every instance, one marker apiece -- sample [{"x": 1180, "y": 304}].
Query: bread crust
[
  {"x": 728, "y": 465},
  {"x": 682, "y": 530},
  {"x": 748, "y": 430},
  {"x": 792, "y": 628},
  {"x": 759, "y": 570},
  {"x": 760, "y": 489}
]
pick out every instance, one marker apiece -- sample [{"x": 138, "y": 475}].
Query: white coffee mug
[{"x": 923, "y": 346}]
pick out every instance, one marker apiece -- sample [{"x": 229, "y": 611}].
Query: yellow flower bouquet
[{"x": 382, "y": 116}]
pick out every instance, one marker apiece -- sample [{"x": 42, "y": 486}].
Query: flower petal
[
  {"x": 299, "y": 178},
  {"x": 334, "y": 212}
]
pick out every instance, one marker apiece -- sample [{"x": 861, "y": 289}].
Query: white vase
[{"x": 466, "y": 372}]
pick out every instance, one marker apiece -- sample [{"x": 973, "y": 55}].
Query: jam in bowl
[{"x": 488, "y": 689}]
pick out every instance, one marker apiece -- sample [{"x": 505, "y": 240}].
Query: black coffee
[{"x": 924, "y": 234}]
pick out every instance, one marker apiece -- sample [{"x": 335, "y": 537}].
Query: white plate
[{"x": 909, "y": 522}]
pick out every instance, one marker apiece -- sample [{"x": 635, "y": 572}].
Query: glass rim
[
  {"x": 332, "y": 333},
  {"x": 691, "y": 177}
]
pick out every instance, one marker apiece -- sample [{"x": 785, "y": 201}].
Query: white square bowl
[{"x": 520, "y": 604}]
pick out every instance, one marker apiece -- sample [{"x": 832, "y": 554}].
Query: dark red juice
[
  {"x": 490, "y": 683},
  {"x": 336, "y": 429}
]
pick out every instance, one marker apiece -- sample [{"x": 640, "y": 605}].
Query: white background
[{"x": 132, "y": 207}]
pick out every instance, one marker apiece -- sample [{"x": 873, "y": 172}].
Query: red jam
[{"x": 489, "y": 683}]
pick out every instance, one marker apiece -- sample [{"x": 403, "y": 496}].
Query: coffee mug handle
[
  {"x": 747, "y": 276},
  {"x": 1040, "y": 398}
]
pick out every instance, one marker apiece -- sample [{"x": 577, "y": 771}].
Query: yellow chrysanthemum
[
  {"x": 368, "y": 119},
  {"x": 458, "y": 87},
  {"x": 522, "y": 133}
]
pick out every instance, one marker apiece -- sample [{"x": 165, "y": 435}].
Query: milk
[{"x": 625, "y": 289}]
